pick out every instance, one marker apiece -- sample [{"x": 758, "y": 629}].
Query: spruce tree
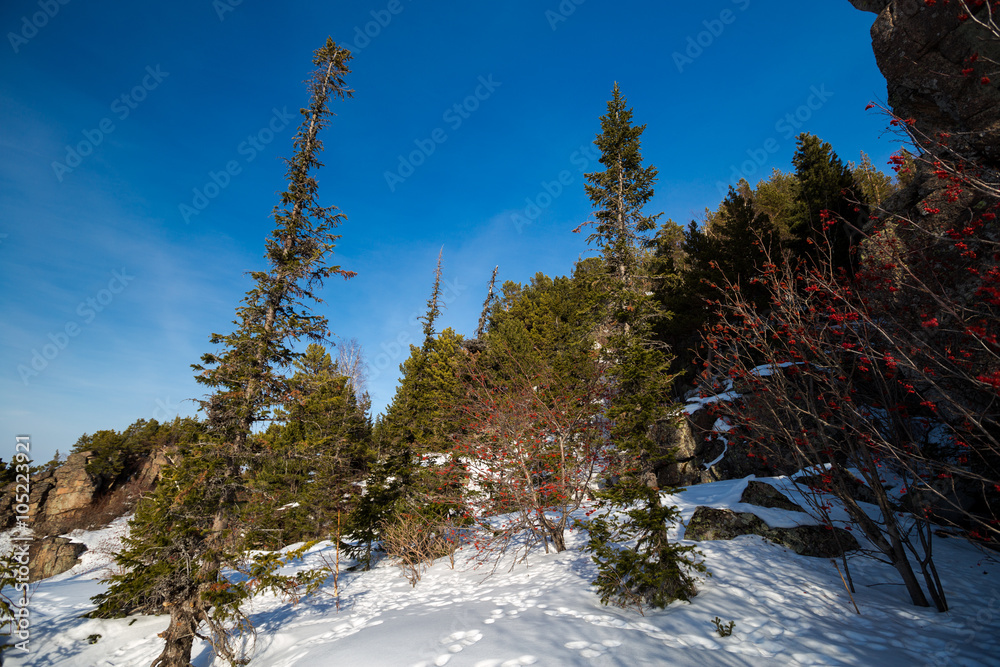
[
  {"x": 732, "y": 247},
  {"x": 645, "y": 573},
  {"x": 421, "y": 415},
  {"x": 434, "y": 305},
  {"x": 405, "y": 484},
  {"x": 188, "y": 530},
  {"x": 619, "y": 194},
  {"x": 829, "y": 202},
  {"x": 311, "y": 462},
  {"x": 490, "y": 296}
]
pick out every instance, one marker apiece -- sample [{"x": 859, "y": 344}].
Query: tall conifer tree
[
  {"x": 433, "y": 304},
  {"x": 825, "y": 185},
  {"x": 653, "y": 571},
  {"x": 619, "y": 194},
  {"x": 188, "y": 530}
]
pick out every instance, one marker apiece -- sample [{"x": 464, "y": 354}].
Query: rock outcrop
[
  {"x": 709, "y": 523},
  {"x": 851, "y": 484},
  {"x": 703, "y": 453},
  {"x": 763, "y": 494},
  {"x": 50, "y": 556},
  {"x": 69, "y": 498},
  {"x": 691, "y": 449},
  {"x": 722, "y": 524},
  {"x": 934, "y": 64},
  {"x": 59, "y": 498}
]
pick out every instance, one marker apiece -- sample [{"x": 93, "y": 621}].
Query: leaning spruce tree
[
  {"x": 653, "y": 571},
  {"x": 185, "y": 533}
]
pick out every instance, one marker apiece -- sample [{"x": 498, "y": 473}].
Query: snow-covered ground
[{"x": 788, "y": 610}]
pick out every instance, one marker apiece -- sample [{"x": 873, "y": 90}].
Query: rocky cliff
[
  {"x": 940, "y": 70},
  {"x": 69, "y": 498}
]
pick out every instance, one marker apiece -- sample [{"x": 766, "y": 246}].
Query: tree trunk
[
  {"x": 892, "y": 548},
  {"x": 180, "y": 636},
  {"x": 558, "y": 539},
  {"x": 902, "y": 565}
]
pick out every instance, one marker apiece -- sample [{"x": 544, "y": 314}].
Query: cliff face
[
  {"x": 942, "y": 71},
  {"x": 922, "y": 51},
  {"x": 69, "y": 497}
]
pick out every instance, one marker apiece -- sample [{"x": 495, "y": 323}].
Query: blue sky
[{"x": 141, "y": 148}]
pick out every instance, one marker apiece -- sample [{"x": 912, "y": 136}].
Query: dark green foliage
[
  {"x": 116, "y": 455},
  {"x": 640, "y": 369},
  {"x": 246, "y": 375},
  {"x": 190, "y": 529},
  {"x": 651, "y": 571},
  {"x": 307, "y": 466},
  {"x": 619, "y": 193},
  {"x": 387, "y": 479},
  {"x": 433, "y": 498},
  {"x": 409, "y": 499},
  {"x": 825, "y": 185},
  {"x": 8, "y": 472},
  {"x": 423, "y": 415},
  {"x": 166, "y": 542},
  {"x": 730, "y": 250},
  {"x": 744, "y": 240},
  {"x": 638, "y": 566}
]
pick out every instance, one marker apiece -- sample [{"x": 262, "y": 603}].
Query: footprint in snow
[
  {"x": 592, "y": 650},
  {"x": 497, "y": 614},
  {"x": 456, "y": 643}
]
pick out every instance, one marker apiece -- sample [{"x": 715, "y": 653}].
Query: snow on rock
[
  {"x": 788, "y": 610},
  {"x": 722, "y": 425}
]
